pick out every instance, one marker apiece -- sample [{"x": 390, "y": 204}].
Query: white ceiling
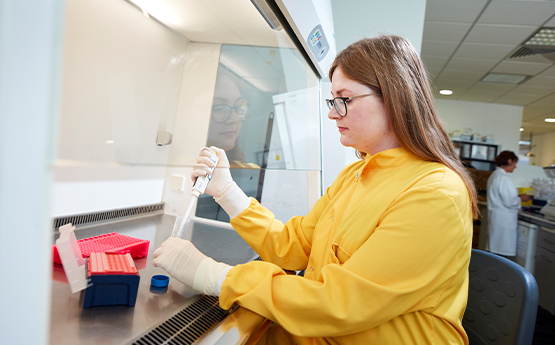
[{"x": 464, "y": 40}]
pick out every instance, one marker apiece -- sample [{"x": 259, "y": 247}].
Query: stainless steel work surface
[
  {"x": 536, "y": 218},
  {"x": 71, "y": 324}
]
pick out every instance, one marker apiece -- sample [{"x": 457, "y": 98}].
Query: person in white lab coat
[{"x": 503, "y": 205}]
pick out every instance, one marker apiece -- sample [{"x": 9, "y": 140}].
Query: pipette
[{"x": 181, "y": 223}]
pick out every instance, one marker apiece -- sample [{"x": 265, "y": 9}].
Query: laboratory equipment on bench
[
  {"x": 549, "y": 210},
  {"x": 526, "y": 245},
  {"x": 104, "y": 278},
  {"x": 159, "y": 280},
  {"x": 182, "y": 222},
  {"x": 113, "y": 243}
]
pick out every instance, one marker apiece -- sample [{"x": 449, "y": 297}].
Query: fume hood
[{"x": 146, "y": 84}]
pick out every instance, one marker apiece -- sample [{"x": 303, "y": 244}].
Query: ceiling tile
[
  {"x": 483, "y": 98},
  {"x": 452, "y": 84},
  {"x": 433, "y": 72},
  {"x": 520, "y": 67},
  {"x": 537, "y": 128},
  {"x": 444, "y": 31},
  {"x": 517, "y": 12},
  {"x": 440, "y": 48},
  {"x": 533, "y": 113},
  {"x": 454, "y": 10},
  {"x": 549, "y": 100},
  {"x": 549, "y": 72},
  {"x": 477, "y": 65},
  {"x": 436, "y": 62},
  {"x": 481, "y": 86},
  {"x": 480, "y": 96},
  {"x": 550, "y": 23},
  {"x": 515, "y": 98},
  {"x": 499, "y": 34},
  {"x": 541, "y": 81},
  {"x": 545, "y": 103},
  {"x": 461, "y": 75},
  {"x": 532, "y": 90},
  {"x": 483, "y": 51}
]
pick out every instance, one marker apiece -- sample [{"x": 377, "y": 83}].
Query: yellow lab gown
[{"x": 386, "y": 253}]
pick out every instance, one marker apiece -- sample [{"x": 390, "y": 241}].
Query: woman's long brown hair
[{"x": 390, "y": 66}]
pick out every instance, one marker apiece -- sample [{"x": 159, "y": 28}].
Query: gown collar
[{"x": 395, "y": 157}]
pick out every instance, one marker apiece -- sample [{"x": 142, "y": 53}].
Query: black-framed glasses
[
  {"x": 222, "y": 112},
  {"x": 340, "y": 103}
]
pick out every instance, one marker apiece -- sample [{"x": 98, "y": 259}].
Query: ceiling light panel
[{"x": 544, "y": 37}]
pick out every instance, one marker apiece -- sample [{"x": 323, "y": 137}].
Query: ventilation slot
[
  {"x": 109, "y": 216},
  {"x": 188, "y": 325},
  {"x": 529, "y": 51}
]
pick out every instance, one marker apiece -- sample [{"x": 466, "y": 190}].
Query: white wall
[
  {"x": 524, "y": 175},
  {"x": 355, "y": 19},
  {"x": 544, "y": 149},
  {"x": 501, "y": 120}
]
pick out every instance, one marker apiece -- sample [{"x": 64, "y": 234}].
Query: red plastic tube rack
[{"x": 109, "y": 243}]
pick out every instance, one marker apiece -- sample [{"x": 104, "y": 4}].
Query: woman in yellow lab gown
[{"x": 386, "y": 249}]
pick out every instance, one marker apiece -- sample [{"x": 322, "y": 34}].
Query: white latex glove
[
  {"x": 183, "y": 261},
  {"x": 221, "y": 177},
  {"x": 221, "y": 186}
]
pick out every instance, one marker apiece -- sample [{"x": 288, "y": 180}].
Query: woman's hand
[
  {"x": 525, "y": 197},
  {"x": 221, "y": 177},
  {"x": 180, "y": 258},
  {"x": 183, "y": 261},
  {"x": 235, "y": 200}
]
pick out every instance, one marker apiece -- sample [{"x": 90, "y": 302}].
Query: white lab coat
[{"x": 503, "y": 206}]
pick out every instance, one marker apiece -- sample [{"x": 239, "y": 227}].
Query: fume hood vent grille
[
  {"x": 188, "y": 325},
  {"x": 96, "y": 218}
]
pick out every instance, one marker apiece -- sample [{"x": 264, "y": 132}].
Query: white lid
[{"x": 72, "y": 260}]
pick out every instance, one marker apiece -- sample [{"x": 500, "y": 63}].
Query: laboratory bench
[
  {"x": 536, "y": 218},
  {"x": 535, "y": 249},
  {"x": 176, "y": 312},
  {"x": 543, "y": 256}
]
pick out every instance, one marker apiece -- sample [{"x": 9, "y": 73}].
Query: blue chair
[{"x": 502, "y": 301}]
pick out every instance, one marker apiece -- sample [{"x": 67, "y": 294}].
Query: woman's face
[
  {"x": 511, "y": 166},
  {"x": 366, "y": 126},
  {"x": 224, "y": 134}
]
